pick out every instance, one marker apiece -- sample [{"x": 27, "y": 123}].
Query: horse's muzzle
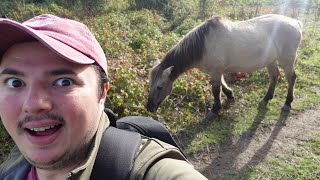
[{"x": 151, "y": 107}]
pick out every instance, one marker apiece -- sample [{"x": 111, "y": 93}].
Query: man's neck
[
  {"x": 60, "y": 174},
  {"x": 52, "y": 174}
]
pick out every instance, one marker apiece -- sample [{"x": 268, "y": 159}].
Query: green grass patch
[{"x": 303, "y": 163}]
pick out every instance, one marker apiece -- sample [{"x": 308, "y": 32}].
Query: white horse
[{"x": 219, "y": 45}]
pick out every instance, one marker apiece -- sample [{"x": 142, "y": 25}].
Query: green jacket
[{"x": 156, "y": 161}]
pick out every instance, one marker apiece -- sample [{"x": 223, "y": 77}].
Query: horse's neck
[
  {"x": 177, "y": 70},
  {"x": 179, "y": 63}
]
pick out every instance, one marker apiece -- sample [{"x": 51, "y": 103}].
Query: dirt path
[{"x": 234, "y": 156}]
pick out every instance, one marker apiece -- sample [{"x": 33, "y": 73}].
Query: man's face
[{"x": 48, "y": 105}]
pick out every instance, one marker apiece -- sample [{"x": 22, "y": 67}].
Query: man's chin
[
  {"x": 47, "y": 164},
  {"x": 65, "y": 161},
  {"x": 58, "y": 159}
]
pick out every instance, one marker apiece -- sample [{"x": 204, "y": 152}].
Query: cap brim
[{"x": 12, "y": 32}]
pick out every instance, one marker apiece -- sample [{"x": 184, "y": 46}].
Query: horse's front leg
[{"x": 216, "y": 92}]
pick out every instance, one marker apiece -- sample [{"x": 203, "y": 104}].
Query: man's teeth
[{"x": 42, "y": 128}]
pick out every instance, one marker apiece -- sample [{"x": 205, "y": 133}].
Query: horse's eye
[{"x": 159, "y": 87}]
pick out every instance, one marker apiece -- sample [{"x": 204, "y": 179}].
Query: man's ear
[
  {"x": 106, "y": 87},
  {"x": 104, "y": 93}
]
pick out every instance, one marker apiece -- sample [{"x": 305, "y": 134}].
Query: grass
[{"x": 303, "y": 163}]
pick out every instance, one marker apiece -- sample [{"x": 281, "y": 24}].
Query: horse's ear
[
  {"x": 156, "y": 63},
  {"x": 167, "y": 71}
]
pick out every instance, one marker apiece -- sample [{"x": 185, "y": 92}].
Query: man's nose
[{"x": 37, "y": 101}]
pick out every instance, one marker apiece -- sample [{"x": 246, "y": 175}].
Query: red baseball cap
[{"x": 70, "y": 39}]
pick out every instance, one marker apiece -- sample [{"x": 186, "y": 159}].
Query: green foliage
[
  {"x": 131, "y": 42},
  {"x": 151, "y": 4},
  {"x": 6, "y": 143},
  {"x": 310, "y": 44},
  {"x": 21, "y": 11},
  {"x": 186, "y": 25}
]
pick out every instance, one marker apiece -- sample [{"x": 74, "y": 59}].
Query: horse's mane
[{"x": 189, "y": 51}]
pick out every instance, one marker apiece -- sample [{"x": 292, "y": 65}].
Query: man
[{"x": 53, "y": 88}]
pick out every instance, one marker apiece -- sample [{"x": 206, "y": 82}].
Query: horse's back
[
  {"x": 252, "y": 44},
  {"x": 284, "y": 32},
  {"x": 279, "y": 25},
  {"x": 272, "y": 23}
]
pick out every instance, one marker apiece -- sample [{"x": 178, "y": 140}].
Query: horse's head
[{"x": 160, "y": 86}]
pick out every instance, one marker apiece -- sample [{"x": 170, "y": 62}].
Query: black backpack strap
[
  {"x": 147, "y": 127},
  {"x": 111, "y": 116},
  {"x": 116, "y": 154}
]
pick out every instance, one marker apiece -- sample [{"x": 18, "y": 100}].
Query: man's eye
[
  {"x": 15, "y": 83},
  {"x": 64, "y": 82}
]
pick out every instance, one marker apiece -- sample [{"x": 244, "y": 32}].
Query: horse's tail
[
  {"x": 300, "y": 24},
  {"x": 300, "y": 31}
]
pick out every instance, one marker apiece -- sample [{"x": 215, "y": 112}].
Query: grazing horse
[{"x": 219, "y": 45}]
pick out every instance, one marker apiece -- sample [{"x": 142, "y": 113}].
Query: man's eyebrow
[
  {"x": 62, "y": 72},
  {"x": 9, "y": 71}
]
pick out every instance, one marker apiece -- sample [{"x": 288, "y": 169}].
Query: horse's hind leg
[
  {"x": 273, "y": 71},
  {"x": 291, "y": 78},
  {"x": 226, "y": 90}
]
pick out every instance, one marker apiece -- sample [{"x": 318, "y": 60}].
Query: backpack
[{"x": 122, "y": 140}]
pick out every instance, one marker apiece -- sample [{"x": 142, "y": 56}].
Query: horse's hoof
[
  {"x": 286, "y": 108},
  {"x": 211, "y": 116},
  {"x": 230, "y": 100},
  {"x": 263, "y": 103}
]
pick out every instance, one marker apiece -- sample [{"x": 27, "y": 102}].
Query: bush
[{"x": 159, "y": 5}]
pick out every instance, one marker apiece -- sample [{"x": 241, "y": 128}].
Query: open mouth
[{"x": 44, "y": 131}]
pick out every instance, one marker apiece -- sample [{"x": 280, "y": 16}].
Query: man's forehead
[
  {"x": 19, "y": 50},
  {"x": 33, "y": 52},
  {"x": 15, "y": 46}
]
